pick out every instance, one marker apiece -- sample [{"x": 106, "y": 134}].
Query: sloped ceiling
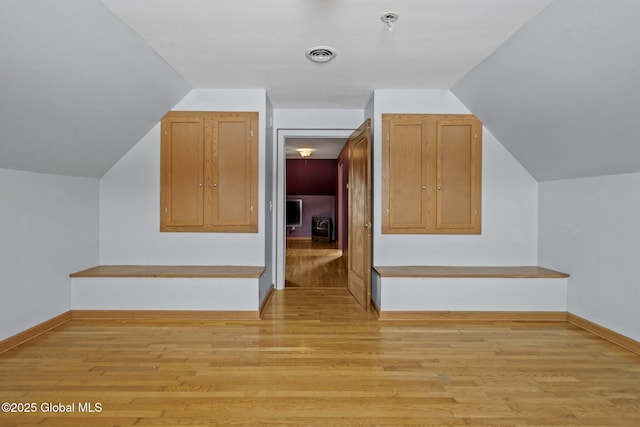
[
  {"x": 261, "y": 44},
  {"x": 78, "y": 88},
  {"x": 563, "y": 93}
]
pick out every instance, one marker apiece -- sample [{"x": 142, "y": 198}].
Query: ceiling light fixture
[
  {"x": 305, "y": 152},
  {"x": 321, "y": 53},
  {"x": 389, "y": 18}
]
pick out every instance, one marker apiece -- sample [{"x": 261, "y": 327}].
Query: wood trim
[
  {"x": 605, "y": 333},
  {"x": 165, "y": 314},
  {"x": 211, "y": 228},
  {"x": 267, "y": 300},
  {"x": 31, "y": 333},
  {"x": 300, "y": 238},
  {"x": 427, "y": 271},
  {"x": 513, "y": 316},
  {"x": 173, "y": 271},
  {"x": 375, "y": 308}
]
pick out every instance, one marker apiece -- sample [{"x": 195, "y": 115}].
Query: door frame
[
  {"x": 340, "y": 216},
  {"x": 279, "y": 243}
]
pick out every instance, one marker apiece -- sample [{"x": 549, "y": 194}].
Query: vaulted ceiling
[
  {"x": 563, "y": 93},
  {"x": 78, "y": 88},
  {"x": 82, "y": 81},
  {"x": 262, "y": 44}
]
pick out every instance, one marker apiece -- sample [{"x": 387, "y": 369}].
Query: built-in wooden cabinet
[
  {"x": 431, "y": 174},
  {"x": 209, "y": 172}
]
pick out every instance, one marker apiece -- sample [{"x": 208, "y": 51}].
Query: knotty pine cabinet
[
  {"x": 209, "y": 172},
  {"x": 431, "y": 174}
]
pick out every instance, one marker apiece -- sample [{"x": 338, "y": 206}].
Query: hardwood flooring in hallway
[
  {"x": 316, "y": 359},
  {"x": 311, "y": 264}
]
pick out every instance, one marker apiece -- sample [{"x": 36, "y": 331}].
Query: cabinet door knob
[
  {"x": 424, "y": 187},
  {"x": 367, "y": 225},
  {"x": 200, "y": 184}
]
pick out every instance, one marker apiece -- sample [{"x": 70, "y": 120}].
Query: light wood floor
[
  {"x": 316, "y": 359},
  {"x": 311, "y": 264}
]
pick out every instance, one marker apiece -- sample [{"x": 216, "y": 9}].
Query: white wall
[
  {"x": 48, "y": 229},
  {"x": 147, "y": 293},
  {"x": 473, "y": 294},
  {"x": 589, "y": 228},
  {"x": 130, "y": 200},
  {"x": 509, "y": 199},
  {"x": 268, "y": 278},
  {"x": 317, "y": 119}
]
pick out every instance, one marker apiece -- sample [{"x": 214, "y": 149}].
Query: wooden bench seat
[
  {"x": 464, "y": 271},
  {"x": 157, "y": 291},
  {"x": 470, "y": 292},
  {"x": 202, "y": 271}
]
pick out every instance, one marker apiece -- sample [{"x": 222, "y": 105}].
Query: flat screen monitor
[{"x": 294, "y": 213}]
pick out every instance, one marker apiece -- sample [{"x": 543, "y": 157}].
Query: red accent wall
[
  {"x": 316, "y": 177},
  {"x": 315, "y": 181}
]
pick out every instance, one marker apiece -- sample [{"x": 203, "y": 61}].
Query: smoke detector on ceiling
[
  {"x": 321, "y": 54},
  {"x": 389, "y": 18}
]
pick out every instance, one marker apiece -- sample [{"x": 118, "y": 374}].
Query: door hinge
[
  {"x": 251, "y": 133},
  {"x": 251, "y": 209}
]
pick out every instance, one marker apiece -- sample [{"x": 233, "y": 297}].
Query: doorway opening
[
  {"x": 320, "y": 140},
  {"x": 355, "y": 192},
  {"x": 314, "y": 224}
]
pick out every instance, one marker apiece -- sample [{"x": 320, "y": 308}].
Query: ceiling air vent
[{"x": 321, "y": 53}]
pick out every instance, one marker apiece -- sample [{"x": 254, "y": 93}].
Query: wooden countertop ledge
[
  {"x": 468, "y": 272},
  {"x": 173, "y": 271}
]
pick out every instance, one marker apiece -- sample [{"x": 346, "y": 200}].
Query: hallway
[
  {"x": 313, "y": 264},
  {"x": 320, "y": 304}
]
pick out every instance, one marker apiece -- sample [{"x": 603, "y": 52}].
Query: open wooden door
[{"x": 359, "y": 258}]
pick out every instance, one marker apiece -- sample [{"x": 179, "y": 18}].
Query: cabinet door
[
  {"x": 406, "y": 174},
  {"x": 459, "y": 175},
  {"x": 431, "y": 174},
  {"x": 232, "y": 184},
  {"x": 182, "y": 171},
  {"x": 209, "y": 172}
]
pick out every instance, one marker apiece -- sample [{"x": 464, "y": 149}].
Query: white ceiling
[
  {"x": 78, "y": 88},
  {"x": 563, "y": 93},
  {"x": 323, "y": 148},
  {"x": 262, "y": 44},
  {"x": 555, "y": 81}
]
